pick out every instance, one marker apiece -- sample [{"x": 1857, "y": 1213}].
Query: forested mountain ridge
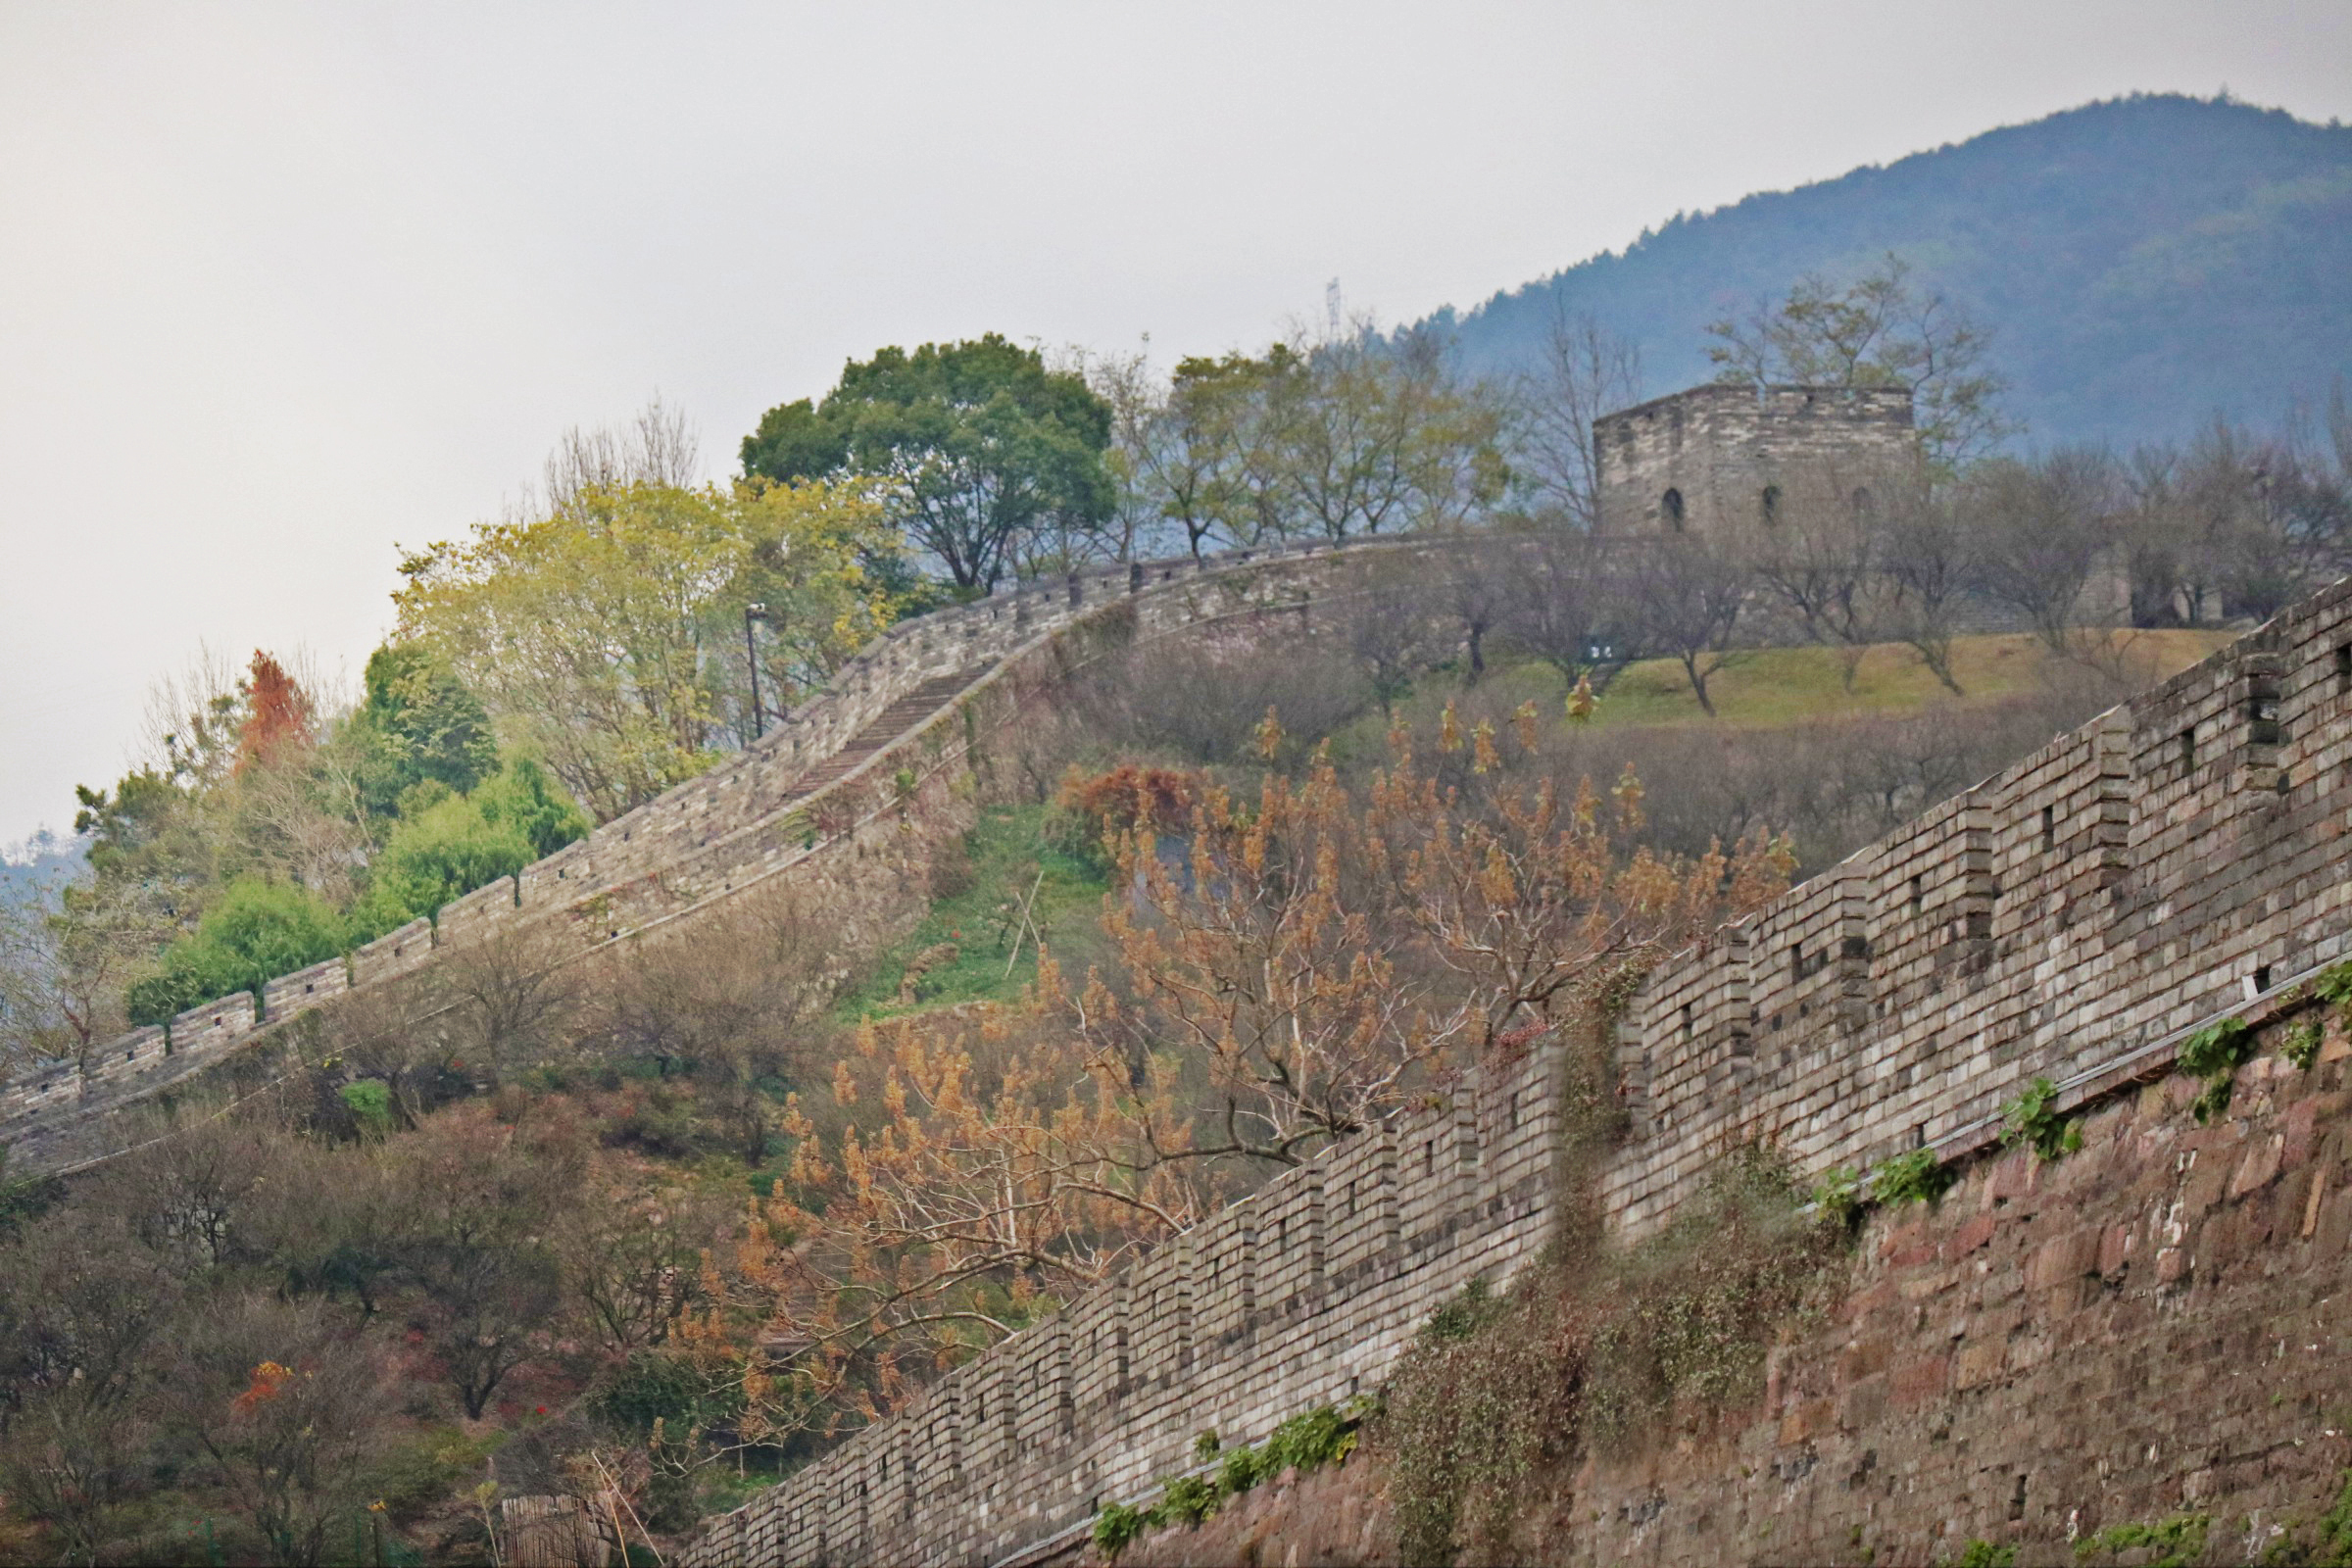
[{"x": 2143, "y": 263}]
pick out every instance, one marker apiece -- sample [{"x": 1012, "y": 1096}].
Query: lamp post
[{"x": 750, "y": 650}]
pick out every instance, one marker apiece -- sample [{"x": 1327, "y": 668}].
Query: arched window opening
[
  {"x": 1671, "y": 504},
  {"x": 1772, "y": 504},
  {"x": 1862, "y": 502}
]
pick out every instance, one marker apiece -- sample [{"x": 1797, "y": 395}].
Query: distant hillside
[
  {"x": 33, "y": 864},
  {"x": 2142, "y": 262}
]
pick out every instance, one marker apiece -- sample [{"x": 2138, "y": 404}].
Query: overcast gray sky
[{"x": 280, "y": 286}]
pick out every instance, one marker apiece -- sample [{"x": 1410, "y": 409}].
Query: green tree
[
  {"x": 447, "y": 845},
  {"x": 1372, "y": 435},
  {"x": 1332, "y": 436},
  {"x": 1879, "y": 331},
  {"x": 419, "y": 722},
  {"x": 255, "y": 932},
  {"x": 1217, "y": 470},
  {"x": 987, "y": 454}
]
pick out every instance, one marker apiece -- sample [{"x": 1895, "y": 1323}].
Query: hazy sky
[{"x": 282, "y": 285}]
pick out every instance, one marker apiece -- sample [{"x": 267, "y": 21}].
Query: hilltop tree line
[{"x": 603, "y": 641}]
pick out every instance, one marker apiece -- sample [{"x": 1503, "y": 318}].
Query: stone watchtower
[{"x": 1719, "y": 457}]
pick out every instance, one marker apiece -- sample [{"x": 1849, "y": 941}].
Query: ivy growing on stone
[
  {"x": 1917, "y": 1177},
  {"x": 2214, "y": 1054},
  {"x": 1306, "y": 1441},
  {"x": 2171, "y": 1543},
  {"x": 2029, "y": 1119}
]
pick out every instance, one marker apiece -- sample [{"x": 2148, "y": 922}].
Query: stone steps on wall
[{"x": 890, "y": 723}]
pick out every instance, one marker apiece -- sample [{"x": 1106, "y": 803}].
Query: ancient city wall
[
  {"x": 749, "y": 821},
  {"x": 2176, "y": 861},
  {"x": 1298, "y": 1296},
  {"x": 2176, "y": 857},
  {"x": 2149, "y": 1329}
]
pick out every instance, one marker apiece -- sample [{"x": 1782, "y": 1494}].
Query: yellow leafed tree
[{"x": 607, "y": 637}]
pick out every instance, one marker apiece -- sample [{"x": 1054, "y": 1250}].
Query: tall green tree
[
  {"x": 419, "y": 722},
  {"x": 988, "y": 454}
]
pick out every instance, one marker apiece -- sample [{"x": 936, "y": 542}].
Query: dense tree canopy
[
  {"x": 606, "y": 638},
  {"x": 988, "y": 454}
]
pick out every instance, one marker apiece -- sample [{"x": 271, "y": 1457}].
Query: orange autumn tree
[
  {"x": 1303, "y": 962},
  {"x": 277, "y": 715}
]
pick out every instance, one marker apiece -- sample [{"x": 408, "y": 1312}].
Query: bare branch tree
[
  {"x": 1689, "y": 594},
  {"x": 1585, "y": 371},
  {"x": 658, "y": 446},
  {"x": 2042, "y": 528}
]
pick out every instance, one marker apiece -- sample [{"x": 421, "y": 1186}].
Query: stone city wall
[
  {"x": 2148, "y": 1329},
  {"x": 1299, "y": 1295},
  {"x": 2176, "y": 861},
  {"x": 2179, "y": 855},
  {"x": 747, "y": 820}
]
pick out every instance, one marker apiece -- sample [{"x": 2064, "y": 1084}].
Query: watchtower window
[
  {"x": 2343, "y": 669},
  {"x": 2188, "y": 749},
  {"x": 1863, "y": 502},
  {"x": 2049, "y": 828},
  {"x": 1772, "y": 504},
  {"x": 1918, "y": 892},
  {"x": 1671, "y": 505}
]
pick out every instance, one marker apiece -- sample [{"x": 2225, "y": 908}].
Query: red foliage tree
[{"x": 278, "y": 714}]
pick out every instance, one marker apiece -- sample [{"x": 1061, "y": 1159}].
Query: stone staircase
[{"x": 888, "y": 725}]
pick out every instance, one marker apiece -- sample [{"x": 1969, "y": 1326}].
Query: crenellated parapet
[
  {"x": 2179, "y": 853},
  {"x": 2178, "y": 857}
]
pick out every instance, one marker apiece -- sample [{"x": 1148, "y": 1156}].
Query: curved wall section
[{"x": 785, "y": 805}]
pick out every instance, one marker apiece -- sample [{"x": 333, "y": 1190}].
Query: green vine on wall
[
  {"x": 2029, "y": 1119},
  {"x": 2214, "y": 1054},
  {"x": 2172, "y": 1542},
  {"x": 1306, "y": 1441},
  {"x": 1917, "y": 1177}
]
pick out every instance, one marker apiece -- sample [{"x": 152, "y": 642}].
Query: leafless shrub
[
  {"x": 510, "y": 999},
  {"x": 725, "y": 1002},
  {"x": 1199, "y": 698}
]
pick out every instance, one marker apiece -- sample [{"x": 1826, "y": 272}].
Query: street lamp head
[{"x": 756, "y": 611}]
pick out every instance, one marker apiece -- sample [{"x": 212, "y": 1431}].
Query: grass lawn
[
  {"x": 1008, "y": 852},
  {"x": 1772, "y": 686}
]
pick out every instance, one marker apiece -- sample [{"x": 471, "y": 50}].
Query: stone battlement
[{"x": 2178, "y": 857}]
